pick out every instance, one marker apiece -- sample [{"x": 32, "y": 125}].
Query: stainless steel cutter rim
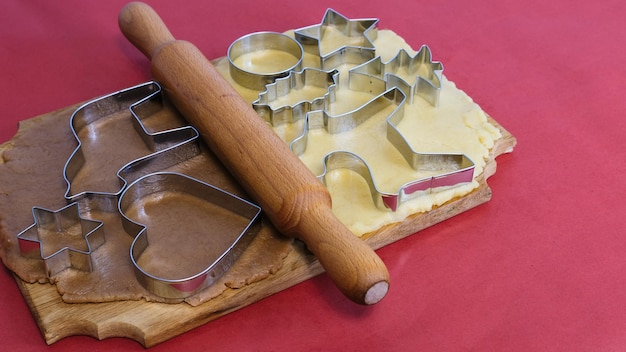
[
  {"x": 311, "y": 38},
  {"x": 169, "y": 147},
  {"x": 315, "y": 116},
  {"x": 407, "y": 191},
  {"x": 290, "y": 113},
  {"x": 370, "y": 76},
  {"x": 376, "y": 73},
  {"x": 66, "y": 257},
  {"x": 260, "y": 41},
  {"x": 165, "y": 147},
  {"x": 179, "y": 288}
]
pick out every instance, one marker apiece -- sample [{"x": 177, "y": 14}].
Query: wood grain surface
[{"x": 150, "y": 323}]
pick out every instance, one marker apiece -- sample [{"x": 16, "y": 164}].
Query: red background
[{"x": 539, "y": 267}]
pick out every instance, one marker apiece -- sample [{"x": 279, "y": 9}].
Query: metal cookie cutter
[
  {"x": 290, "y": 112},
  {"x": 420, "y": 75},
  {"x": 355, "y": 39},
  {"x": 75, "y": 238},
  {"x": 70, "y": 226},
  {"x": 164, "y": 148},
  {"x": 175, "y": 288},
  {"x": 259, "y": 58},
  {"x": 452, "y": 168}
]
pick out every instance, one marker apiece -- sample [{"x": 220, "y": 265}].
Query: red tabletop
[{"x": 540, "y": 267}]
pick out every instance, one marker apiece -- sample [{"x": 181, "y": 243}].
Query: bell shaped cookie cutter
[{"x": 176, "y": 288}]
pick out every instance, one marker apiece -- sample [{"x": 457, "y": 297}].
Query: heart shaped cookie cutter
[{"x": 158, "y": 187}]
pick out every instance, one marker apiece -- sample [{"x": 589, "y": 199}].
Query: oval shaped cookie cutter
[
  {"x": 247, "y": 53},
  {"x": 161, "y": 182}
]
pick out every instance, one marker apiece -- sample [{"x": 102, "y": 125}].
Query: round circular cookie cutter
[{"x": 248, "y": 58}]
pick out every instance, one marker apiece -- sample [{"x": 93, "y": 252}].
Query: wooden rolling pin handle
[{"x": 290, "y": 195}]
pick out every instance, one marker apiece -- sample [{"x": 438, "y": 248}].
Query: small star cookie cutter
[
  {"x": 62, "y": 239},
  {"x": 174, "y": 287},
  {"x": 50, "y": 226},
  {"x": 356, "y": 38}
]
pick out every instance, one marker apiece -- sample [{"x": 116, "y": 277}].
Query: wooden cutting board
[{"x": 150, "y": 323}]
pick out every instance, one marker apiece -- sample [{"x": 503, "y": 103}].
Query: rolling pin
[{"x": 294, "y": 200}]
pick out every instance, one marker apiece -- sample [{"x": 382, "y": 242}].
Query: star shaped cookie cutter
[
  {"x": 62, "y": 239},
  {"x": 357, "y": 36},
  {"x": 166, "y": 148},
  {"x": 415, "y": 76}
]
